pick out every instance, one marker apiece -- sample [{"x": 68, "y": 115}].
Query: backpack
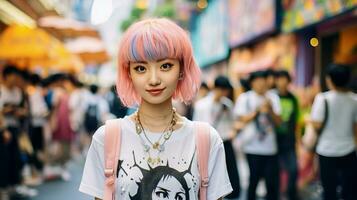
[
  {"x": 91, "y": 119},
  {"x": 112, "y": 143}
]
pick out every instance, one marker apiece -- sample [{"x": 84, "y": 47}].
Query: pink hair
[{"x": 152, "y": 40}]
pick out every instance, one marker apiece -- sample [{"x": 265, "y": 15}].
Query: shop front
[{"x": 325, "y": 32}]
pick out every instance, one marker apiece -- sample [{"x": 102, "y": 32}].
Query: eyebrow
[{"x": 140, "y": 62}]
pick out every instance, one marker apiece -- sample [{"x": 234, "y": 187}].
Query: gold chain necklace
[{"x": 155, "y": 146}]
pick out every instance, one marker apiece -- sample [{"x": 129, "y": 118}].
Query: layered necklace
[{"x": 157, "y": 147}]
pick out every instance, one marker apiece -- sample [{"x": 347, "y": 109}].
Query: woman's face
[
  {"x": 168, "y": 188},
  {"x": 154, "y": 81}
]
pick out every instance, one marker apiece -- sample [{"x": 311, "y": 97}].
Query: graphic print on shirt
[{"x": 161, "y": 182}]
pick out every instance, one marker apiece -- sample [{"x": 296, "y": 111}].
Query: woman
[{"x": 156, "y": 66}]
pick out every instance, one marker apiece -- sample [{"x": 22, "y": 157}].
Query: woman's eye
[
  {"x": 166, "y": 66},
  {"x": 140, "y": 69}
]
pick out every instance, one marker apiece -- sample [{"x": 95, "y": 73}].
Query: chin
[{"x": 157, "y": 100}]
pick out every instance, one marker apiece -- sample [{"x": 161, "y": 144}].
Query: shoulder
[
  {"x": 244, "y": 95},
  {"x": 215, "y": 139},
  {"x": 272, "y": 95},
  {"x": 204, "y": 101},
  {"x": 99, "y": 135},
  {"x": 321, "y": 96}
]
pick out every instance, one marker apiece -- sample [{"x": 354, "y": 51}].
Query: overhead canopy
[
  {"x": 66, "y": 28},
  {"x": 91, "y": 50},
  {"x": 34, "y": 47},
  {"x": 18, "y": 42}
]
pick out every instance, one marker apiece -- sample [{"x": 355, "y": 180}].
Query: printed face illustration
[
  {"x": 174, "y": 192},
  {"x": 162, "y": 182}
]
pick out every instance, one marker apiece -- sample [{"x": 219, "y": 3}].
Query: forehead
[{"x": 259, "y": 78}]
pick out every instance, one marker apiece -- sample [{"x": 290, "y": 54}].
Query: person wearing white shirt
[
  {"x": 217, "y": 109},
  {"x": 336, "y": 145},
  {"x": 259, "y": 110},
  {"x": 39, "y": 113}
]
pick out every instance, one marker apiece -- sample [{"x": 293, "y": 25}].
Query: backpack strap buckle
[
  {"x": 204, "y": 182},
  {"x": 108, "y": 172}
]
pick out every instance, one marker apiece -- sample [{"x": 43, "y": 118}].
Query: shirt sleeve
[
  {"x": 93, "y": 175},
  {"x": 318, "y": 109},
  {"x": 275, "y": 104},
  {"x": 219, "y": 184},
  {"x": 240, "y": 108}
]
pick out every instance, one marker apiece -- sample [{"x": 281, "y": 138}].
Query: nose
[{"x": 154, "y": 78}]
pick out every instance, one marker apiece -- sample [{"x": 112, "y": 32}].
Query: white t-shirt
[
  {"x": 247, "y": 103},
  {"x": 13, "y": 97},
  {"x": 337, "y": 137},
  {"x": 177, "y": 176},
  {"x": 207, "y": 110},
  {"x": 38, "y": 107}
]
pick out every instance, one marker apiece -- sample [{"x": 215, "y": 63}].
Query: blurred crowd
[
  {"x": 46, "y": 122},
  {"x": 291, "y": 139}
]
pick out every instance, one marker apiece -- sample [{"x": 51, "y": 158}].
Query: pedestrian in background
[
  {"x": 336, "y": 144},
  {"x": 217, "y": 109},
  {"x": 260, "y": 111},
  {"x": 286, "y": 131}
]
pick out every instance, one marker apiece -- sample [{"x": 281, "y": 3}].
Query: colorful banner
[
  {"x": 298, "y": 14},
  {"x": 249, "y": 19},
  {"x": 210, "y": 37},
  {"x": 277, "y": 52}
]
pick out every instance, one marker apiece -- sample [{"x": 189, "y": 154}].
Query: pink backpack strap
[
  {"x": 112, "y": 143},
  {"x": 202, "y": 134}
]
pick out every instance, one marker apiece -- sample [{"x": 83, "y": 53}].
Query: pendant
[
  {"x": 138, "y": 129},
  {"x": 155, "y": 145},
  {"x": 161, "y": 148},
  {"x": 146, "y": 148},
  {"x": 167, "y": 135},
  {"x": 150, "y": 160}
]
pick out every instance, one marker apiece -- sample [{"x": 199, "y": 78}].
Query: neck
[
  {"x": 283, "y": 91},
  {"x": 339, "y": 89},
  {"x": 217, "y": 97},
  {"x": 260, "y": 92},
  {"x": 155, "y": 117}
]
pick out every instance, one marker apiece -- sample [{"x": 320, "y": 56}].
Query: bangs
[{"x": 154, "y": 43}]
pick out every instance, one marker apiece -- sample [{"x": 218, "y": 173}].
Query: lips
[{"x": 155, "y": 92}]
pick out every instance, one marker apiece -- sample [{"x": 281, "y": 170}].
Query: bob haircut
[{"x": 152, "y": 40}]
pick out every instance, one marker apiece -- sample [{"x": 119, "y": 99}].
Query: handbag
[
  {"x": 25, "y": 144},
  {"x": 311, "y": 136}
]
